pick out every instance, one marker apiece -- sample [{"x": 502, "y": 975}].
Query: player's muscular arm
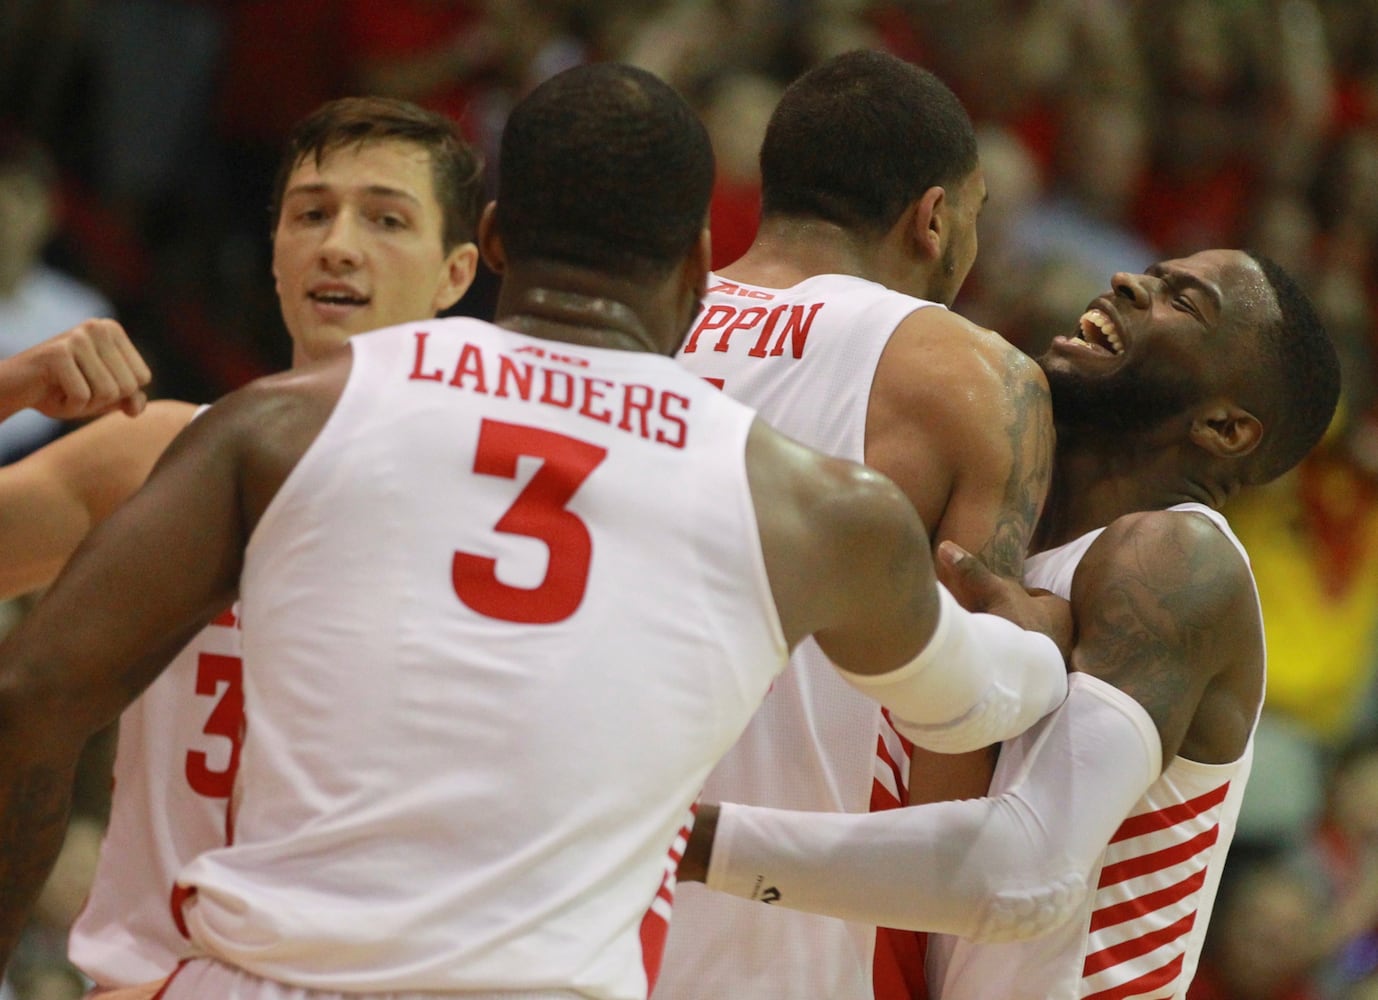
[
  {"x": 961, "y": 421},
  {"x": 1166, "y": 613},
  {"x": 964, "y": 423},
  {"x": 52, "y": 498},
  {"x": 1022, "y": 418},
  {"x": 65, "y": 670},
  {"x": 161, "y": 566},
  {"x": 845, "y": 553},
  {"x": 849, "y": 562}
]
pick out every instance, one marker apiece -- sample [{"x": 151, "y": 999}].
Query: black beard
[{"x": 1127, "y": 402}]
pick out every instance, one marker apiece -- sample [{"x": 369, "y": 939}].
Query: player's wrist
[
  {"x": 698, "y": 854},
  {"x": 18, "y": 387}
]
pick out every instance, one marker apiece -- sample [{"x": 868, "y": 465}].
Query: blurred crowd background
[{"x": 138, "y": 141}]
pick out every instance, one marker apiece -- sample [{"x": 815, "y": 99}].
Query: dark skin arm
[
  {"x": 139, "y": 586},
  {"x": 1027, "y": 613},
  {"x": 975, "y": 463},
  {"x": 962, "y": 422},
  {"x": 1166, "y": 613},
  {"x": 846, "y": 555},
  {"x": 868, "y": 597}
]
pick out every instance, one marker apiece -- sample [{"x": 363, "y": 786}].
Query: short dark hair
[
  {"x": 860, "y": 137},
  {"x": 456, "y": 169},
  {"x": 604, "y": 166},
  {"x": 1302, "y": 374}
]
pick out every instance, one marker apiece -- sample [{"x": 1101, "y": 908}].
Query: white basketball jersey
[
  {"x": 805, "y": 358},
  {"x": 499, "y": 622},
  {"x": 1139, "y": 934},
  {"x": 174, "y": 773}
]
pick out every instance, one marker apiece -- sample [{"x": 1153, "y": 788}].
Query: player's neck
[
  {"x": 628, "y": 336},
  {"x": 789, "y": 250},
  {"x": 586, "y": 310},
  {"x": 1093, "y": 485}
]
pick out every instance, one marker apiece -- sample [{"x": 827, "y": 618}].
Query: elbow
[
  {"x": 1030, "y": 883},
  {"x": 1011, "y": 913},
  {"x": 999, "y": 715},
  {"x": 37, "y": 721},
  {"x": 20, "y": 705},
  {"x": 992, "y": 698}
]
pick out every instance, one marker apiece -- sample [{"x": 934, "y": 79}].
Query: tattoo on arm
[
  {"x": 1152, "y": 618},
  {"x": 1030, "y": 434},
  {"x": 33, "y": 824}
]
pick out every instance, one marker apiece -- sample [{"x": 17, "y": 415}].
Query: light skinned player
[
  {"x": 368, "y": 244},
  {"x": 77, "y": 374},
  {"x": 375, "y": 210}
]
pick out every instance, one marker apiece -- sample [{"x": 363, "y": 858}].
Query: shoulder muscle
[
  {"x": 962, "y": 421},
  {"x": 1163, "y": 605}
]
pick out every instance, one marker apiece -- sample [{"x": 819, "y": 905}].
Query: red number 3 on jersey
[
  {"x": 226, "y": 720},
  {"x": 538, "y": 512}
]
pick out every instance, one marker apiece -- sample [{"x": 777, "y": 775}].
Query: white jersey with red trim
[
  {"x": 1140, "y": 932},
  {"x": 805, "y": 358},
  {"x": 499, "y": 622},
  {"x": 173, "y": 778}
]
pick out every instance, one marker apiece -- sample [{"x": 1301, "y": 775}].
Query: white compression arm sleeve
[
  {"x": 994, "y": 869},
  {"x": 980, "y": 680}
]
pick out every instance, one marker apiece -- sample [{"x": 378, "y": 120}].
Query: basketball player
[
  {"x": 375, "y": 211},
  {"x": 77, "y": 374},
  {"x": 1091, "y": 869},
  {"x": 455, "y": 532},
  {"x": 835, "y": 326}
]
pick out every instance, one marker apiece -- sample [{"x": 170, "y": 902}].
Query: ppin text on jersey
[{"x": 770, "y": 330}]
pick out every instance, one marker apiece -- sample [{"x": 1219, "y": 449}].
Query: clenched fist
[{"x": 83, "y": 372}]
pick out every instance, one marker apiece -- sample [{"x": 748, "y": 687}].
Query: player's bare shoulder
[
  {"x": 1166, "y": 610},
  {"x": 962, "y": 420},
  {"x": 1172, "y": 552},
  {"x": 269, "y": 424},
  {"x": 964, "y": 360},
  {"x": 291, "y": 401}
]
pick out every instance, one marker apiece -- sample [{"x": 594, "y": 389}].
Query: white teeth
[{"x": 1098, "y": 328}]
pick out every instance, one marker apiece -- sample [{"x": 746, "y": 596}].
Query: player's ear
[
  {"x": 698, "y": 263},
  {"x": 490, "y": 246},
  {"x": 457, "y": 274},
  {"x": 1226, "y": 430},
  {"x": 926, "y": 223}
]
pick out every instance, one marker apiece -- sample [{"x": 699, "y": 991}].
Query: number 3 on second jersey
[
  {"x": 539, "y": 512},
  {"x": 226, "y": 721}
]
